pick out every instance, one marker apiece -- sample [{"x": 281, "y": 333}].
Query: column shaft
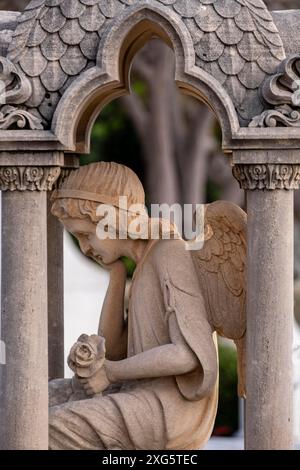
[
  {"x": 55, "y": 295},
  {"x": 269, "y": 320},
  {"x": 24, "y": 378}
]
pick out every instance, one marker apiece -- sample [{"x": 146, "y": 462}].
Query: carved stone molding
[
  {"x": 267, "y": 176},
  {"x": 235, "y": 41},
  {"x": 16, "y": 89},
  {"x": 281, "y": 92},
  {"x": 22, "y": 178}
]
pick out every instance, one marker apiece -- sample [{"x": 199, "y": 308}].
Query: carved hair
[{"x": 104, "y": 182}]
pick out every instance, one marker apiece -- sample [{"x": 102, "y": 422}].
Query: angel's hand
[
  {"x": 95, "y": 384},
  {"x": 117, "y": 267}
]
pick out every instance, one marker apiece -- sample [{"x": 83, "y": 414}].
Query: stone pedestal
[
  {"x": 270, "y": 296},
  {"x": 24, "y": 377}
]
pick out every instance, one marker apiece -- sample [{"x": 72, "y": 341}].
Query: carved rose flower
[{"x": 87, "y": 356}]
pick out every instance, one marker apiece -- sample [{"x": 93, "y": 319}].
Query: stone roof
[{"x": 236, "y": 41}]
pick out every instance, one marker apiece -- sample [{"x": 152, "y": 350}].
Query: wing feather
[
  {"x": 221, "y": 269},
  {"x": 221, "y": 266}
]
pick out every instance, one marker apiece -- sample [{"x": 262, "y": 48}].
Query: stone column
[
  {"x": 270, "y": 295},
  {"x": 24, "y": 377},
  {"x": 56, "y": 279},
  {"x": 55, "y": 295}
]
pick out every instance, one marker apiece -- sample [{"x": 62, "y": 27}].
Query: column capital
[
  {"x": 28, "y": 178},
  {"x": 267, "y": 176}
]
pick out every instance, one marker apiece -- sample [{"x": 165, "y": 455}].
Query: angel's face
[{"x": 105, "y": 252}]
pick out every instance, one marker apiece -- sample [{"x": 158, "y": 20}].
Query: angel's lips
[{"x": 96, "y": 258}]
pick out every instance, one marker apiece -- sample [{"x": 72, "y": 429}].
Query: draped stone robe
[{"x": 153, "y": 413}]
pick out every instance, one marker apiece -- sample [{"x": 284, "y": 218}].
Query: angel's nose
[{"x": 84, "y": 246}]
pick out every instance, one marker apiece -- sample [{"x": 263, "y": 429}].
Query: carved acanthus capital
[
  {"x": 267, "y": 176},
  {"x": 30, "y": 178}
]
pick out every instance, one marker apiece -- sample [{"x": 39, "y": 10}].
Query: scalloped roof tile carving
[{"x": 236, "y": 41}]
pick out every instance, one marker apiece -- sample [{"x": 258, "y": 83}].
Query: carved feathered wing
[
  {"x": 236, "y": 41},
  {"x": 221, "y": 268}
]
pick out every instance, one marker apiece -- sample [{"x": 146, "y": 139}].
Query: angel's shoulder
[
  {"x": 166, "y": 250},
  {"x": 171, "y": 260}
]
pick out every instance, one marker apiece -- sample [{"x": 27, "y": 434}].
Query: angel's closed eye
[{"x": 83, "y": 235}]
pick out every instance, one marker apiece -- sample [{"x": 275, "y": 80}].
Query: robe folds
[{"x": 167, "y": 413}]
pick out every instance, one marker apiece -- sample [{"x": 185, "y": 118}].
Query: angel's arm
[
  {"x": 171, "y": 359},
  {"x": 112, "y": 324}
]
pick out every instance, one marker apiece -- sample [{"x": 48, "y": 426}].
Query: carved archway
[
  {"x": 110, "y": 78},
  {"x": 224, "y": 51}
]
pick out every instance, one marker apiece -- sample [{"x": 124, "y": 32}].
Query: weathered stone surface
[
  {"x": 28, "y": 178},
  {"x": 270, "y": 177},
  {"x": 240, "y": 62},
  {"x": 23, "y": 395},
  {"x": 72, "y": 33},
  {"x": 55, "y": 256},
  {"x": 89, "y": 45},
  {"x": 218, "y": 267},
  {"x": 50, "y": 102},
  {"x": 53, "y": 21},
  {"x": 282, "y": 92},
  {"x": 270, "y": 305},
  {"x": 17, "y": 90},
  {"x": 92, "y": 19},
  {"x": 231, "y": 62},
  {"x": 237, "y": 90},
  {"x": 53, "y": 48},
  {"x": 214, "y": 26},
  {"x": 288, "y": 24},
  {"x": 38, "y": 93},
  {"x": 33, "y": 62},
  {"x": 53, "y": 78},
  {"x": 73, "y": 62}
]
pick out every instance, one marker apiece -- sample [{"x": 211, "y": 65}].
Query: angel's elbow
[{"x": 187, "y": 360}]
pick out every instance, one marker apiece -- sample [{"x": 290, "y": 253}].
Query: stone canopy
[
  {"x": 235, "y": 41},
  {"x": 231, "y": 46}
]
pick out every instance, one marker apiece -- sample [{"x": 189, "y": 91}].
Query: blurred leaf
[
  {"x": 214, "y": 192},
  {"x": 114, "y": 139},
  {"x": 130, "y": 265},
  {"x": 227, "y": 417}
]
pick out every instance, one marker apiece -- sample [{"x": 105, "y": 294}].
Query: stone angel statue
[{"x": 154, "y": 384}]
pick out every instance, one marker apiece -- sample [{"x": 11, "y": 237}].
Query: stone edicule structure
[{"x": 62, "y": 61}]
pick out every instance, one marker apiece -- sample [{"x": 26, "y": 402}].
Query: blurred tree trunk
[
  {"x": 282, "y": 4},
  {"x": 13, "y": 5},
  {"x": 176, "y": 134},
  {"x": 175, "y": 131}
]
